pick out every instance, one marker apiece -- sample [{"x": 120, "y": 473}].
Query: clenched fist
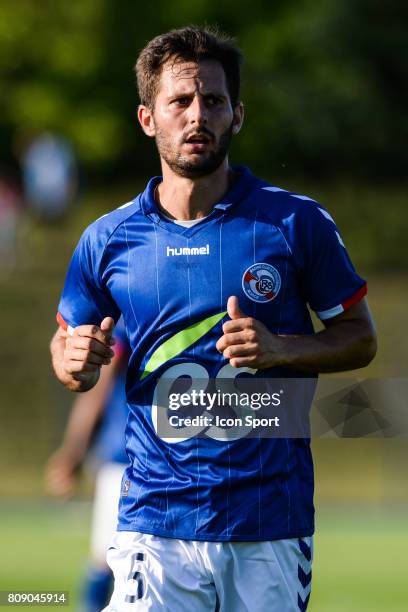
[
  {"x": 247, "y": 342},
  {"x": 88, "y": 349},
  {"x": 77, "y": 359}
]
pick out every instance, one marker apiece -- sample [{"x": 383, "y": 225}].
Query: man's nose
[{"x": 198, "y": 111}]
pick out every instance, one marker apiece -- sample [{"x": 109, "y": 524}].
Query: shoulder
[
  {"x": 104, "y": 227},
  {"x": 279, "y": 204},
  {"x": 98, "y": 234},
  {"x": 294, "y": 213},
  {"x": 96, "y": 237},
  {"x": 302, "y": 220}
]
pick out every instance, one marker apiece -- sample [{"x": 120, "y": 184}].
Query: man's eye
[
  {"x": 213, "y": 100},
  {"x": 181, "y": 101}
]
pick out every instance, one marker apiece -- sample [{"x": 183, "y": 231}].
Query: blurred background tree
[{"x": 324, "y": 81}]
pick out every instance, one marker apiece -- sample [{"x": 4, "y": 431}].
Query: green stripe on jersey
[{"x": 179, "y": 342}]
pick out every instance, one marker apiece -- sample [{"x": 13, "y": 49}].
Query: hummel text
[{"x": 173, "y": 252}]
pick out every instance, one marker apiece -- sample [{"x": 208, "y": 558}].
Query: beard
[{"x": 201, "y": 165}]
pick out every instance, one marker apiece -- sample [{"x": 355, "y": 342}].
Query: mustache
[{"x": 203, "y": 131}]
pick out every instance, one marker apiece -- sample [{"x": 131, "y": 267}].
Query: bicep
[{"x": 330, "y": 283}]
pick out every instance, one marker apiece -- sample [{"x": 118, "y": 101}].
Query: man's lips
[
  {"x": 198, "y": 144},
  {"x": 198, "y": 139}
]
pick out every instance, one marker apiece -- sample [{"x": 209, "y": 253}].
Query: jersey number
[{"x": 225, "y": 382}]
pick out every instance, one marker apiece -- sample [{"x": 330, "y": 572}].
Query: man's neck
[{"x": 184, "y": 198}]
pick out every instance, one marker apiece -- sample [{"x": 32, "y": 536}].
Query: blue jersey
[
  {"x": 278, "y": 252},
  {"x": 109, "y": 444}
]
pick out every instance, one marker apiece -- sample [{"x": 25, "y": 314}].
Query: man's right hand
[
  {"x": 78, "y": 358},
  {"x": 88, "y": 349}
]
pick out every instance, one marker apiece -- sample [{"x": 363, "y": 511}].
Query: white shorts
[
  {"x": 105, "y": 509},
  {"x": 170, "y": 575}
]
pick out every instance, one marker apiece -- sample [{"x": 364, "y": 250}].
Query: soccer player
[
  {"x": 213, "y": 270},
  {"x": 96, "y": 426}
]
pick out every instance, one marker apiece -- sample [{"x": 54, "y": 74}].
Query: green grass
[
  {"x": 44, "y": 547},
  {"x": 361, "y": 561}
]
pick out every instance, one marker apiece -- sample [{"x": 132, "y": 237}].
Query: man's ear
[
  {"x": 238, "y": 118},
  {"x": 146, "y": 120}
]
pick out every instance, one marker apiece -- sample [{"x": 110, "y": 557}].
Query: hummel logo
[{"x": 204, "y": 250}]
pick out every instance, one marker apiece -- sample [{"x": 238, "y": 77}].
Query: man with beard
[{"x": 213, "y": 270}]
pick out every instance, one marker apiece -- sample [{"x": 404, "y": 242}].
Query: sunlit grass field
[{"x": 361, "y": 554}]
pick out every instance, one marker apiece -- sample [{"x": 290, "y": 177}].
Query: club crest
[{"x": 261, "y": 282}]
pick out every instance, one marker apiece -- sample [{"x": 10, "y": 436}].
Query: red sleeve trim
[
  {"x": 61, "y": 321},
  {"x": 355, "y": 298}
]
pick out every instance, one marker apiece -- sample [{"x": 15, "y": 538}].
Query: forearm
[
  {"x": 348, "y": 342},
  {"x": 74, "y": 382},
  {"x": 349, "y": 345}
]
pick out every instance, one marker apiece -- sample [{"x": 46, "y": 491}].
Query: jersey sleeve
[
  {"x": 330, "y": 281},
  {"x": 84, "y": 299}
]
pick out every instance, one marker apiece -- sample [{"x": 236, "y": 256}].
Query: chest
[{"x": 164, "y": 277}]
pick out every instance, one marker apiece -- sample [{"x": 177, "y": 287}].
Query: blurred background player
[
  {"x": 49, "y": 172},
  {"x": 10, "y": 211},
  {"x": 97, "y": 424}
]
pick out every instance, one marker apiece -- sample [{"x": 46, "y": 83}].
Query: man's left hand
[{"x": 247, "y": 342}]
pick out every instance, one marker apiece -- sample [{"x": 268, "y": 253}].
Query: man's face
[{"x": 192, "y": 120}]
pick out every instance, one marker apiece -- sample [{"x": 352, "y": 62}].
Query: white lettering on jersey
[{"x": 173, "y": 252}]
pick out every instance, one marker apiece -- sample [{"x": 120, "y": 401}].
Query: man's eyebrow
[
  {"x": 184, "y": 94},
  {"x": 217, "y": 94},
  {"x": 187, "y": 89},
  {"x": 192, "y": 92}
]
